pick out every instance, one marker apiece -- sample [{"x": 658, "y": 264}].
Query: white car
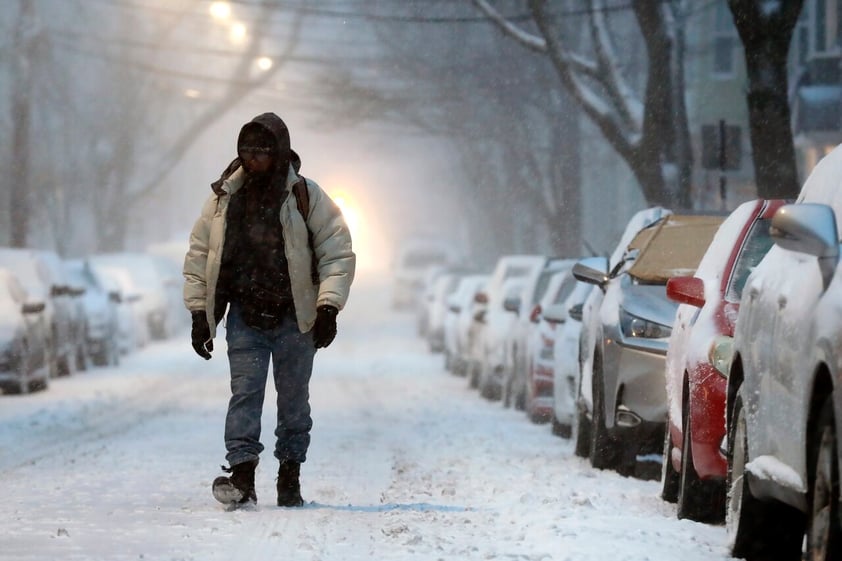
[
  {"x": 784, "y": 376},
  {"x": 24, "y": 357},
  {"x": 495, "y": 322},
  {"x": 537, "y": 282},
  {"x": 457, "y": 323},
  {"x": 44, "y": 283},
  {"x": 443, "y": 287},
  {"x": 565, "y": 357},
  {"x": 413, "y": 259}
]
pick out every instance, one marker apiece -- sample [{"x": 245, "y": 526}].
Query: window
[
  {"x": 724, "y": 41},
  {"x": 827, "y": 26},
  {"x": 757, "y": 244}
]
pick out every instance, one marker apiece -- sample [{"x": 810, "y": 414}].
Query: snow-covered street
[{"x": 406, "y": 463}]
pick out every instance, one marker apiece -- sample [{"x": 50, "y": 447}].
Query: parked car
[
  {"x": 458, "y": 322},
  {"x": 413, "y": 258},
  {"x": 443, "y": 287},
  {"x": 544, "y": 320},
  {"x": 589, "y": 331},
  {"x": 694, "y": 463},
  {"x": 784, "y": 402},
  {"x": 495, "y": 322},
  {"x": 24, "y": 354},
  {"x": 140, "y": 277},
  {"x": 45, "y": 283},
  {"x": 536, "y": 284},
  {"x": 100, "y": 307},
  {"x": 633, "y": 327},
  {"x": 565, "y": 357}
]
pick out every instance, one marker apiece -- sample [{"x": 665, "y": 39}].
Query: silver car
[{"x": 632, "y": 329}]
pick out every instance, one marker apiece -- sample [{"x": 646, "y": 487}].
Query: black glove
[
  {"x": 324, "y": 329},
  {"x": 200, "y": 335}
]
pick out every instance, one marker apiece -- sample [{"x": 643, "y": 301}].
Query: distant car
[
  {"x": 495, "y": 322},
  {"x": 45, "y": 283},
  {"x": 565, "y": 357},
  {"x": 458, "y": 321},
  {"x": 515, "y": 382},
  {"x": 413, "y": 258},
  {"x": 633, "y": 326},
  {"x": 784, "y": 384},
  {"x": 544, "y": 319},
  {"x": 24, "y": 358},
  {"x": 100, "y": 306},
  {"x": 694, "y": 463},
  {"x": 437, "y": 306},
  {"x": 140, "y": 276}
]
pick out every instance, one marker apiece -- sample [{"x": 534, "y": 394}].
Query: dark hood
[{"x": 285, "y": 155}]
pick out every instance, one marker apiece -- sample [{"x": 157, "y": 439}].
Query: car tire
[
  {"x": 670, "y": 478},
  {"x": 560, "y": 429},
  {"x": 699, "y": 500},
  {"x": 824, "y": 541},
  {"x": 604, "y": 451},
  {"x": 487, "y": 388},
  {"x": 582, "y": 428},
  {"x": 756, "y": 529}
]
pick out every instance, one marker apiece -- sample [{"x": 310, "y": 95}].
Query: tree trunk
[
  {"x": 20, "y": 174},
  {"x": 766, "y": 39}
]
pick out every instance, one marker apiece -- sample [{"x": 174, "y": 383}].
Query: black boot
[
  {"x": 238, "y": 489},
  {"x": 289, "y": 488}
]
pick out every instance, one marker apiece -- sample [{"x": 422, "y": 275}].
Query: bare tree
[
  {"x": 650, "y": 131},
  {"x": 26, "y": 34},
  {"x": 515, "y": 132},
  {"x": 766, "y": 30}
]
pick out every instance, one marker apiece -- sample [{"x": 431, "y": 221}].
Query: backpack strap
[{"x": 302, "y": 201}]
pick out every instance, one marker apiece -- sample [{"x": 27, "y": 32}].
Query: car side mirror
[
  {"x": 808, "y": 228},
  {"x": 584, "y": 271},
  {"x": 575, "y": 312},
  {"x": 686, "y": 290}
]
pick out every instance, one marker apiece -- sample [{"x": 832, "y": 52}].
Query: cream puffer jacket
[{"x": 331, "y": 243}]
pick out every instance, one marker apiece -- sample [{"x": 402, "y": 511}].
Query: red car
[{"x": 695, "y": 466}]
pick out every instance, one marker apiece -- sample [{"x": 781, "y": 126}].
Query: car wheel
[
  {"x": 472, "y": 373},
  {"x": 561, "y": 429},
  {"x": 756, "y": 529},
  {"x": 824, "y": 541},
  {"x": 583, "y": 432},
  {"x": 487, "y": 387},
  {"x": 604, "y": 452},
  {"x": 669, "y": 477},
  {"x": 699, "y": 500}
]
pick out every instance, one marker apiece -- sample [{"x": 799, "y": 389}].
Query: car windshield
[{"x": 757, "y": 244}]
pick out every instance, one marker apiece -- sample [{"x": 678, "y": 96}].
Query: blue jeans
[{"x": 249, "y": 351}]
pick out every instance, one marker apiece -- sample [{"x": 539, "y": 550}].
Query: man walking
[{"x": 274, "y": 249}]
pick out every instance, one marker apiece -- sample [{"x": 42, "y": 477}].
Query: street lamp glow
[
  {"x": 220, "y": 10},
  {"x": 237, "y": 32},
  {"x": 192, "y": 93},
  {"x": 264, "y": 63}
]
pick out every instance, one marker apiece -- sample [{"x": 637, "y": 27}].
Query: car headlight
[{"x": 633, "y": 326}]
